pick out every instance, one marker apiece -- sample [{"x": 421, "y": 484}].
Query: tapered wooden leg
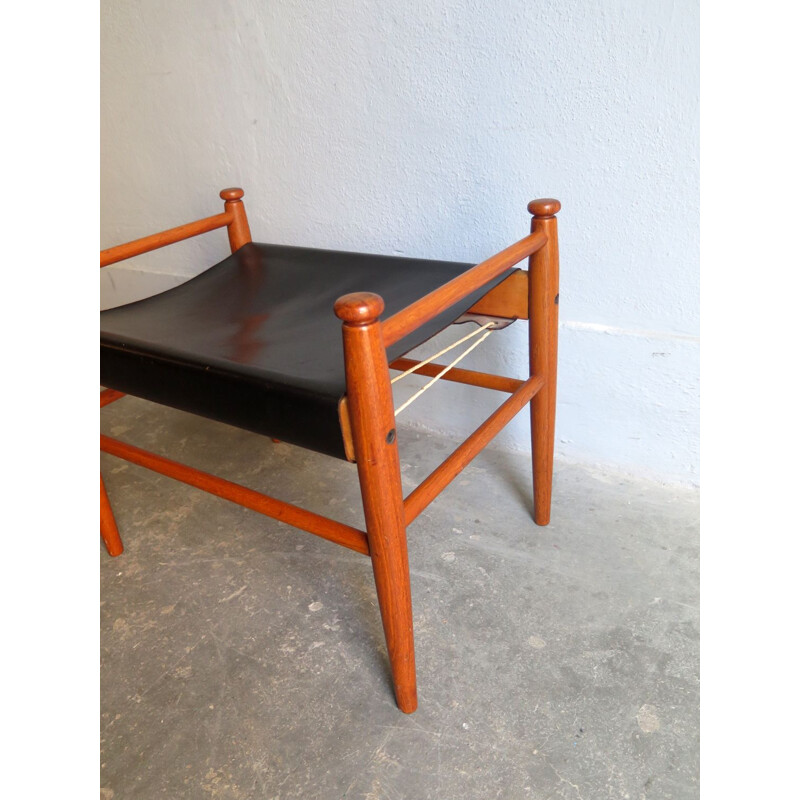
[
  {"x": 108, "y": 525},
  {"x": 543, "y": 331},
  {"x": 372, "y": 416}
]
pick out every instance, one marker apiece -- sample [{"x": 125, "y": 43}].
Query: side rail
[
  {"x": 234, "y": 218},
  {"x": 531, "y": 295},
  {"x": 426, "y": 308}
]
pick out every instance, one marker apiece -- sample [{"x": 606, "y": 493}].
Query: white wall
[{"x": 423, "y": 128}]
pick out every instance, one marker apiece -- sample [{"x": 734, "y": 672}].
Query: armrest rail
[
  {"x": 162, "y": 239},
  {"x": 426, "y": 308}
]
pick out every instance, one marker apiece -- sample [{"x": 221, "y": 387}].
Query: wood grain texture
[
  {"x": 148, "y": 243},
  {"x": 467, "y": 376},
  {"x": 109, "y": 396},
  {"x": 508, "y": 299},
  {"x": 108, "y": 525},
  {"x": 371, "y": 411},
  {"x": 269, "y": 506},
  {"x": 238, "y": 227},
  {"x": 544, "y": 207},
  {"x": 543, "y": 345},
  {"x": 347, "y": 430},
  {"x": 367, "y": 416},
  {"x": 234, "y": 218},
  {"x": 432, "y": 486},
  {"x": 426, "y": 308}
]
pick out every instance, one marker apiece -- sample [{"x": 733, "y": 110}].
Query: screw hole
[{"x": 391, "y": 436}]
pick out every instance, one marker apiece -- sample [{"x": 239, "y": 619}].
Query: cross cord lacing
[{"x": 484, "y": 329}]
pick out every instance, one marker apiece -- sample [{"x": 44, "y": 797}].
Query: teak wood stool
[{"x": 254, "y": 342}]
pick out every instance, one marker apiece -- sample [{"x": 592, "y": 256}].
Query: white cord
[
  {"x": 446, "y": 369},
  {"x": 446, "y": 349}
]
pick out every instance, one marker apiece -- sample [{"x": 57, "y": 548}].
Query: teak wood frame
[{"x": 367, "y": 414}]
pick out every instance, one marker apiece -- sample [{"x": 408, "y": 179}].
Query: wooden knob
[
  {"x": 232, "y": 194},
  {"x": 359, "y": 308},
  {"x": 544, "y": 207}
]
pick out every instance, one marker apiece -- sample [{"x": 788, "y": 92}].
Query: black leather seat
[{"x": 254, "y": 342}]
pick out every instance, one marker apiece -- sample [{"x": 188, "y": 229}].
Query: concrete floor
[{"x": 245, "y": 659}]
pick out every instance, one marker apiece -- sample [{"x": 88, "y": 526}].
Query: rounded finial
[
  {"x": 359, "y": 308},
  {"x": 544, "y": 207},
  {"x": 232, "y": 194}
]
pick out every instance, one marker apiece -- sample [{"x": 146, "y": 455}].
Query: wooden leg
[
  {"x": 372, "y": 416},
  {"x": 543, "y": 328},
  {"x": 108, "y": 525}
]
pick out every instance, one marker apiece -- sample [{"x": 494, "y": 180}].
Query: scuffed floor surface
[{"x": 244, "y": 659}]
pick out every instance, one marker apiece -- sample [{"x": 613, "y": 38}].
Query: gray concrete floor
[{"x": 244, "y": 659}]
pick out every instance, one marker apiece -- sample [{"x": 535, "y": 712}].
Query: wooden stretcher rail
[
  {"x": 468, "y": 376},
  {"x": 108, "y": 525},
  {"x": 277, "y": 509},
  {"x": 109, "y": 396},
  {"x": 148, "y": 243},
  {"x": 431, "y": 487},
  {"x": 426, "y": 308}
]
